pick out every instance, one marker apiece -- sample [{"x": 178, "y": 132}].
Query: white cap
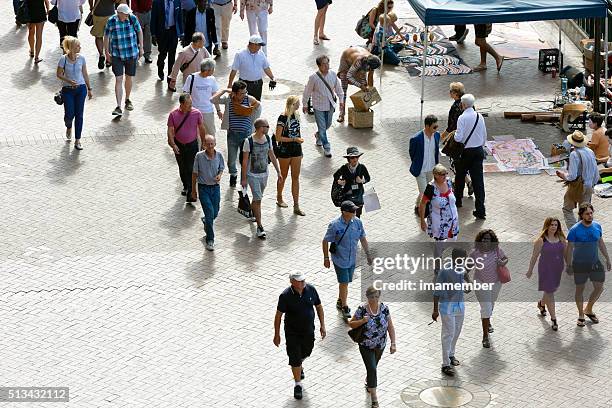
[
  {"x": 124, "y": 9},
  {"x": 255, "y": 39},
  {"x": 298, "y": 276}
]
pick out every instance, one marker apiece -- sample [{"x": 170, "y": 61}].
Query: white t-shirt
[{"x": 203, "y": 89}]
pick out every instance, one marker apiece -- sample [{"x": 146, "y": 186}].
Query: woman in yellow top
[{"x": 599, "y": 142}]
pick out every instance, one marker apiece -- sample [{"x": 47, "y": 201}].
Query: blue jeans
[
  {"x": 234, "y": 141},
  {"x": 74, "y": 105},
  {"x": 324, "y": 122},
  {"x": 210, "y": 196}
]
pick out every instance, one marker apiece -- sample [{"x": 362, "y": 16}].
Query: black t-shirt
[
  {"x": 291, "y": 129},
  {"x": 299, "y": 310}
]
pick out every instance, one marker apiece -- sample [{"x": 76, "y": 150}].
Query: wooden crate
[{"x": 360, "y": 120}]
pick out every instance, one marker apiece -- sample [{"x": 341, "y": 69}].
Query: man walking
[
  {"x": 223, "y": 16},
  {"x": 424, "y": 155},
  {"x": 257, "y": 153},
  {"x": 166, "y": 29},
  {"x": 123, "y": 47},
  {"x": 343, "y": 233},
  {"x": 185, "y": 127},
  {"x": 297, "y": 303},
  {"x": 208, "y": 168},
  {"x": 142, "y": 11},
  {"x": 472, "y": 132},
  {"x": 202, "y": 87},
  {"x": 582, "y": 259},
  {"x": 240, "y": 112},
  {"x": 101, "y": 11},
  {"x": 250, "y": 63},
  {"x": 325, "y": 90},
  {"x": 449, "y": 305},
  {"x": 189, "y": 60},
  {"x": 582, "y": 165}
]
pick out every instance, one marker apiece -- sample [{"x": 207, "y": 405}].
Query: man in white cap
[
  {"x": 297, "y": 303},
  {"x": 582, "y": 164},
  {"x": 123, "y": 47},
  {"x": 251, "y": 63}
]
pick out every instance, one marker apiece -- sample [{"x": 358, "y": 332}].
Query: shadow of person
[
  {"x": 179, "y": 217},
  {"x": 65, "y": 165},
  {"x": 14, "y": 39},
  {"x": 27, "y": 76},
  {"x": 201, "y": 271}
]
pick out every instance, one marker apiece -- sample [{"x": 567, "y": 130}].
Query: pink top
[
  {"x": 189, "y": 131},
  {"x": 488, "y": 272}
]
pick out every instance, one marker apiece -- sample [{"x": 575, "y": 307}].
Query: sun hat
[
  {"x": 352, "y": 151},
  {"x": 577, "y": 139}
]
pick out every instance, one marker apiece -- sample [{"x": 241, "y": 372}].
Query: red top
[{"x": 142, "y": 6}]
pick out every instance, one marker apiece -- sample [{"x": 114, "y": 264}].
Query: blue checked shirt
[{"x": 123, "y": 37}]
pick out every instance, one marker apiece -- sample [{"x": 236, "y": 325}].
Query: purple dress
[{"x": 550, "y": 266}]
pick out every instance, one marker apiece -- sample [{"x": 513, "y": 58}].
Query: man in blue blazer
[
  {"x": 424, "y": 155},
  {"x": 166, "y": 29}
]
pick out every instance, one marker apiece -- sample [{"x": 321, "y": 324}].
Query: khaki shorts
[{"x": 99, "y": 23}]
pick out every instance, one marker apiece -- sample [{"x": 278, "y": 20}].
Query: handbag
[
  {"x": 23, "y": 13},
  {"x": 334, "y": 246},
  {"x": 89, "y": 18},
  {"x": 53, "y": 14},
  {"x": 244, "y": 204},
  {"x": 185, "y": 65},
  {"x": 363, "y": 28},
  {"x": 337, "y": 193},
  {"x": 575, "y": 188},
  {"x": 280, "y": 148},
  {"x": 58, "y": 97},
  {"x": 358, "y": 333},
  {"x": 453, "y": 148},
  {"x": 503, "y": 273}
]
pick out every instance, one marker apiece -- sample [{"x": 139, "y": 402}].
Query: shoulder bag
[
  {"x": 328, "y": 87},
  {"x": 53, "y": 15},
  {"x": 358, "y": 333},
  {"x": 59, "y": 96},
  {"x": 185, "y": 65},
  {"x": 182, "y": 123},
  {"x": 363, "y": 28},
  {"x": 503, "y": 273},
  {"x": 453, "y": 148},
  {"x": 89, "y": 18},
  {"x": 575, "y": 188},
  {"x": 334, "y": 246}
]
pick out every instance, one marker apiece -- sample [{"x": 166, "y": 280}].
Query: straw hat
[{"x": 577, "y": 139}]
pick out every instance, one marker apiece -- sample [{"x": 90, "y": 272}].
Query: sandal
[
  {"x": 31, "y": 54},
  {"x": 542, "y": 308},
  {"x": 340, "y": 118},
  {"x": 323, "y": 37},
  {"x": 580, "y": 323},
  {"x": 298, "y": 211},
  {"x": 593, "y": 317},
  {"x": 282, "y": 204},
  {"x": 554, "y": 326},
  {"x": 315, "y": 41},
  {"x": 499, "y": 66},
  {"x": 37, "y": 60},
  {"x": 486, "y": 343}
]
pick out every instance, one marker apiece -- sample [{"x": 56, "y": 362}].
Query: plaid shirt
[{"x": 123, "y": 37}]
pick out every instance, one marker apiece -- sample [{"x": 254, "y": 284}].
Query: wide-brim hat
[
  {"x": 577, "y": 139},
  {"x": 352, "y": 151}
]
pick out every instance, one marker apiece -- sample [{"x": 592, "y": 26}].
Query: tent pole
[
  {"x": 606, "y": 70},
  {"x": 560, "y": 52},
  {"x": 382, "y": 48},
  {"x": 597, "y": 65},
  {"x": 426, "y": 43}
]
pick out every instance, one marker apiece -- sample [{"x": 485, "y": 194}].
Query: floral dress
[
  {"x": 443, "y": 219},
  {"x": 375, "y": 332}
]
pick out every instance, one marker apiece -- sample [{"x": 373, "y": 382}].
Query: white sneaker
[
  {"x": 328, "y": 153},
  {"x": 261, "y": 233},
  {"x": 210, "y": 246}
]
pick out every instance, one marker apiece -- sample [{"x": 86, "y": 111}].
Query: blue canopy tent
[{"x": 448, "y": 12}]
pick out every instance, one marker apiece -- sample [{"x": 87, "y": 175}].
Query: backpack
[{"x": 250, "y": 139}]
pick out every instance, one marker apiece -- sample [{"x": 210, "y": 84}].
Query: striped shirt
[
  {"x": 239, "y": 123},
  {"x": 123, "y": 37},
  {"x": 589, "y": 172},
  {"x": 322, "y": 99}
]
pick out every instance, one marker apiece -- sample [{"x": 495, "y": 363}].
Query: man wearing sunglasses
[{"x": 424, "y": 155}]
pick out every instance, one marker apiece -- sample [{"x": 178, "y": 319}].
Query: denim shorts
[
  {"x": 344, "y": 275},
  {"x": 257, "y": 186}
]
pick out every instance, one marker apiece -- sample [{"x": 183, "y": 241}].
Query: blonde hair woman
[
  {"x": 72, "y": 71},
  {"x": 549, "y": 247},
  {"x": 288, "y": 150}
]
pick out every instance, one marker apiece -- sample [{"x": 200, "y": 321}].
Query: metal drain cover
[{"x": 445, "y": 396}]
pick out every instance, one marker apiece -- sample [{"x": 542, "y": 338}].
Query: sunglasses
[{"x": 373, "y": 297}]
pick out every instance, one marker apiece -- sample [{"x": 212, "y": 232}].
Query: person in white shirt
[
  {"x": 472, "y": 132},
  {"x": 324, "y": 99},
  {"x": 202, "y": 87},
  {"x": 68, "y": 17},
  {"x": 251, "y": 63}
]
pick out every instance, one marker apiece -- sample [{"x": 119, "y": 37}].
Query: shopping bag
[
  {"x": 370, "y": 200},
  {"x": 244, "y": 204}
]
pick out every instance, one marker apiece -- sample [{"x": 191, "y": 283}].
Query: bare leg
[
  {"x": 31, "y": 33},
  {"x": 256, "y": 205},
  {"x": 100, "y": 45},
  {"x": 296, "y": 165},
  {"x": 485, "y": 328},
  {"x": 128, "y": 86},
  {"x": 549, "y": 300},
  {"x": 280, "y": 183},
  {"x": 343, "y": 293},
  {"x": 321, "y": 31},
  {"x": 597, "y": 290},
  {"x": 485, "y": 48},
  {"x": 297, "y": 373},
  {"x": 39, "y": 32},
  {"x": 119, "y": 89},
  {"x": 579, "y": 300}
]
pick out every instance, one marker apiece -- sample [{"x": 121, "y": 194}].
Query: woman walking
[
  {"x": 549, "y": 247},
  {"x": 488, "y": 257},
  {"x": 375, "y": 315},
  {"x": 443, "y": 219},
  {"x": 352, "y": 176},
  {"x": 319, "y": 24},
  {"x": 375, "y": 13},
  {"x": 38, "y": 15},
  {"x": 289, "y": 152},
  {"x": 72, "y": 71},
  {"x": 68, "y": 17}
]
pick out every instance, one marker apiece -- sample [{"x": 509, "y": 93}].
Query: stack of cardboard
[{"x": 361, "y": 116}]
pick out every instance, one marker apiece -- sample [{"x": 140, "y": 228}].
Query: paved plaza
[{"x": 106, "y": 287}]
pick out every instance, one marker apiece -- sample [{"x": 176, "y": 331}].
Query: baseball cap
[
  {"x": 348, "y": 206},
  {"x": 124, "y": 9},
  {"x": 255, "y": 39},
  {"x": 298, "y": 276}
]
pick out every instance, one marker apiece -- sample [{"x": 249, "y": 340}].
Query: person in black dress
[
  {"x": 352, "y": 176},
  {"x": 38, "y": 15}
]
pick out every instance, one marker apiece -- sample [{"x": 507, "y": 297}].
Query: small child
[{"x": 390, "y": 50}]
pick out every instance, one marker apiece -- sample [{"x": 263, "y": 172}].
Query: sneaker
[
  {"x": 454, "y": 361},
  {"x": 261, "y": 233},
  {"x": 347, "y": 312},
  {"x": 328, "y": 153},
  {"x": 338, "y": 304},
  {"x": 184, "y": 192},
  {"x": 117, "y": 111},
  {"x": 448, "y": 370},
  {"x": 148, "y": 60},
  {"x": 217, "y": 51},
  {"x": 210, "y": 246},
  {"x": 491, "y": 330},
  {"x": 101, "y": 62},
  {"x": 297, "y": 392},
  {"x": 128, "y": 105},
  {"x": 77, "y": 145},
  {"x": 318, "y": 139},
  {"x": 479, "y": 216},
  {"x": 233, "y": 180}
]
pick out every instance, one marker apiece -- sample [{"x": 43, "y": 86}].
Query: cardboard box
[
  {"x": 587, "y": 46},
  {"x": 360, "y": 120},
  {"x": 363, "y": 101}
]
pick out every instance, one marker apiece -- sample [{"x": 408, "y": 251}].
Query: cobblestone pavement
[{"x": 106, "y": 287}]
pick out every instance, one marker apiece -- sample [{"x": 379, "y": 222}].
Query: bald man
[
  {"x": 357, "y": 67},
  {"x": 208, "y": 168}
]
